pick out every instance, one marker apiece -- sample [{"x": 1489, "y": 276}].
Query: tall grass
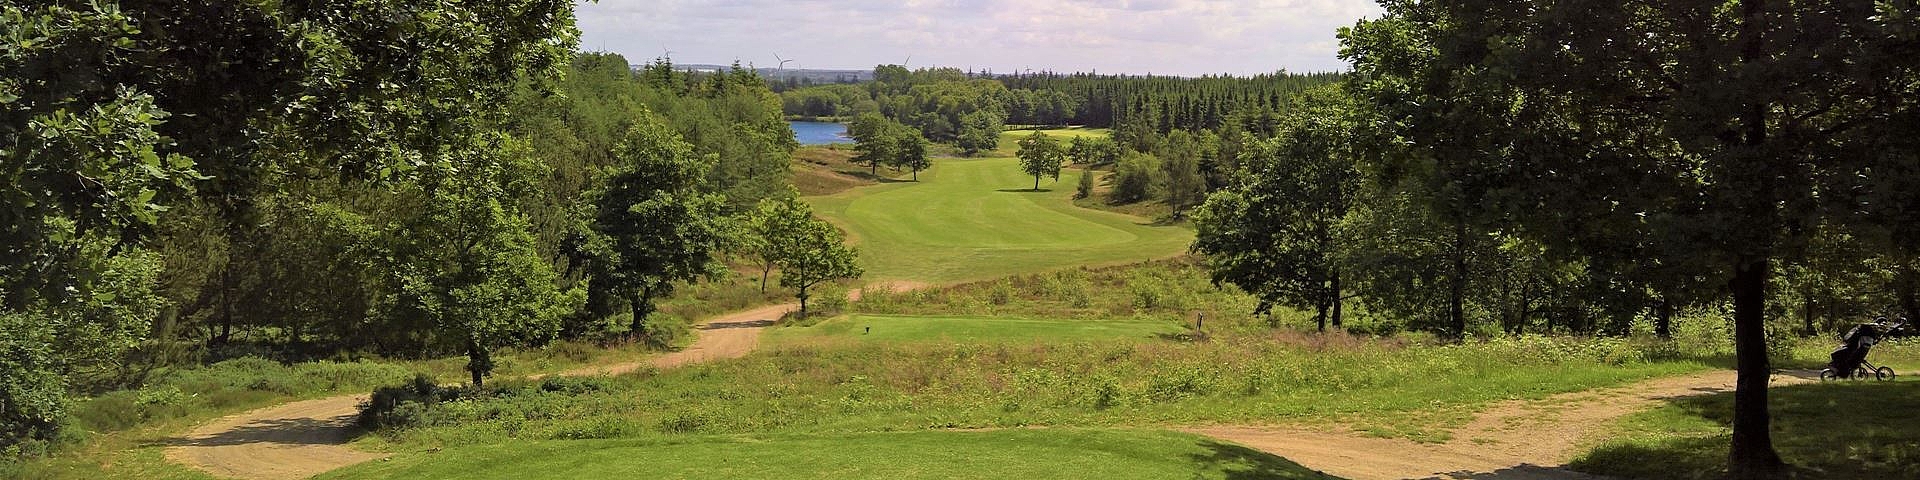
[{"x": 842, "y": 387}]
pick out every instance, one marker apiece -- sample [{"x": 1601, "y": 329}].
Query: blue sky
[{"x": 1178, "y": 37}]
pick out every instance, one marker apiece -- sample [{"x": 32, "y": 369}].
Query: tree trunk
[
  {"x": 642, "y": 307},
  {"x": 765, "y": 271},
  {"x": 1456, "y": 295},
  {"x": 1663, "y": 319},
  {"x": 803, "y": 302},
  {"x": 1036, "y": 183},
  {"x": 226, "y": 299},
  {"x": 1339, "y": 297},
  {"x": 1752, "y": 454},
  {"x": 479, "y": 362},
  {"x": 1807, "y": 314},
  {"x": 1321, "y": 317}
]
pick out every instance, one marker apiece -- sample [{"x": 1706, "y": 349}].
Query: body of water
[{"x": 819, "y": 133}]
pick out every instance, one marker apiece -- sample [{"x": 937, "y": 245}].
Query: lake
[{"x": 819, "y": 133}]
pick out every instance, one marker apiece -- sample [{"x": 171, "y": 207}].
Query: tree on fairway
[
  {"x": 1040, "y": 155},
  {"x": 1727, "y": 130},
  {"x": 655, "y": 227},
  {"x": 809, "y": 250},
  {"x": 1272, "y": 232},
  {"x": 910, "y": 150}
]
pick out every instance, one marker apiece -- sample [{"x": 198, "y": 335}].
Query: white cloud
[{"x": 1187, "y": 37}]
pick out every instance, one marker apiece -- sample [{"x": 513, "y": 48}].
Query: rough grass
[
  {"x": 1173, "y": 290},
  {"x": 826, "y": 170},
  {"x": 1840, "y": 430},
  {"x": 1052, "y": 453},
  {"x": 909, "y": 328},
  {"x": 121, "y": 434},
  {"x": 847, "y": 386},
  {"x": 977, "y": 219}
]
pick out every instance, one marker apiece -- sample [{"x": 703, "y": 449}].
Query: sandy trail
[
  {"x": 306, "y": 438},
  {"x": 1513, "y": 440}
]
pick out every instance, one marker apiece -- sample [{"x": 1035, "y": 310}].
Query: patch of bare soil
[{"x": 1515, "y": 440}]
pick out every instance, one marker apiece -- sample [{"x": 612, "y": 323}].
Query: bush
[
  {"x": 1134, "y": 178},
  {"x": 662, "y": 330},
  {"x": 405, "y": 405},
  {"x": 1085, "y": 189}
]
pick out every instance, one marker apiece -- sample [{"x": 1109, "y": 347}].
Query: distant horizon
[
  {"x": 678, "y": 63},
  {"x": 1183, "y": 38}
]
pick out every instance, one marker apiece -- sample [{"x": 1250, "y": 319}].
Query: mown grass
[
  {"x": 915, "y": 328},
  {"x": 976, "y": 219},
  {"x": 1051, "y": 453},
  {"x": 1839, "y": 430},
  {"x": 1010, "y": 139}
]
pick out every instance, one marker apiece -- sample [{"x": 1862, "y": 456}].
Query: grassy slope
[
  {"x": 905, "y": 328},
  {"x": 1053, "y": 453},
  {"x": 972, "y": 219}
]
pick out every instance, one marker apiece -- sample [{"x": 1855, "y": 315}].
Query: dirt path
[
  {"x": 306, "y": 438},
  {"x": 1513, "y": 440}
]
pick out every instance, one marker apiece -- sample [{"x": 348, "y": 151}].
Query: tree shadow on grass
[
  {"x": 1024, "y": 190},
  {"x": 1845, "y": 429},
  {"x": 1242, "y": 463}
]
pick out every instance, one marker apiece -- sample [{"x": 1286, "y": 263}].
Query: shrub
[
  {"x": 663, "y": 330},
  {"x": 405, "y": 405},
  {"x": 1133, "y": 178},
  {"x": 1085, "y": 189}
]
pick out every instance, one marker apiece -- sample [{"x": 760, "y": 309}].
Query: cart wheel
[
  {"x": 1862, "y": 374},
  {"x": 1883, "y": 373},
  {"x": 1827, "y": 375}
]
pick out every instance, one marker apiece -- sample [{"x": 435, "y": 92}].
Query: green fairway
[
  {"x": 902, "y": 328},
  {"x": 1047, "y": 453},
  {"x": 976, "y": 219},
  {"x": 1010, "y": 139}
]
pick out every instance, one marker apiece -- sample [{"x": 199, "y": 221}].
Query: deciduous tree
[{"x": 1040, "y": 155}]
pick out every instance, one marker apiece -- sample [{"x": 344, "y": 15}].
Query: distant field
[
  {"x": 1010, "y": 139},
  {"x": 907, "y": 328},
  {"x": 1046, "y": 453},
  {"x": 971, "y": 219}
]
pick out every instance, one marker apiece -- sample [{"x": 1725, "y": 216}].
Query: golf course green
[{"x": 972, "y": 219}]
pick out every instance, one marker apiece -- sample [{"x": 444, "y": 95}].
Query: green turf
[
  {"x": 976, "y": 219},
  {"x": 1042, "y": 453},
  {"x": 1010, "y": 139},
  {"x": 903, "y": 328}
]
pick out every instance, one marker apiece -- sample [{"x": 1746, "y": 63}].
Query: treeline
[
  {"x": 229, "y": 178},
  {"x": 946, "y": 104}
]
